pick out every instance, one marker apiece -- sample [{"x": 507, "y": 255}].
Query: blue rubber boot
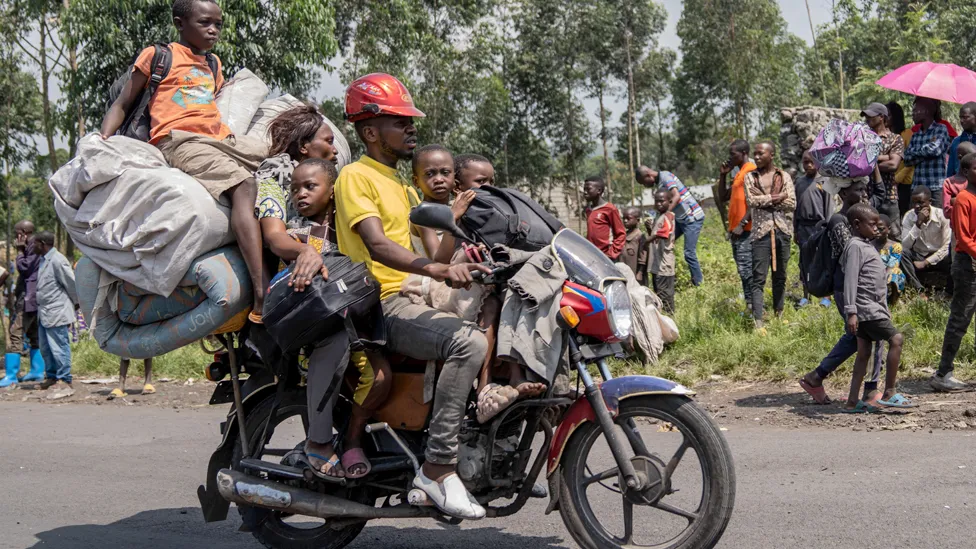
[
  {"x": 36, "y": 367},
  {"x": 12, "y": 368}
]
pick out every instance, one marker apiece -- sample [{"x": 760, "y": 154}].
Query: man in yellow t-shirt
[{"x": 372, "y": 221}]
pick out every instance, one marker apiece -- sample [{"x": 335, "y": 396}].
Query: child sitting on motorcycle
[
  {"x": 313, "y": 232},
  {"x": 434, "y": 173}
]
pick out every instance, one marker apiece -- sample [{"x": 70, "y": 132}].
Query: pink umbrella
[{"x": 943, "y": 81}]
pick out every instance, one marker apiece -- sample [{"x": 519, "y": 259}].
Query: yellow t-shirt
[{"x": 367, "y": 189}]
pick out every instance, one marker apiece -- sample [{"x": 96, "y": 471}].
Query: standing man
[
  {"x": 56, "y": 301},
  {"x": 925, "y": 238},
  {"x": 689, "y": 215},
  {"x": 892, "y": 151},
  {"x": 740, "y": 222},
  {"x": 967, "y": 119},
  {"x": 814, "y": 207},
  {"x": 372, "y": 220},
  {"x": 772, "y": 199},
  {"x": 604, "y": 227},
  {"x": 926, "y": 151},
  {"x": 25, "y": 325}
]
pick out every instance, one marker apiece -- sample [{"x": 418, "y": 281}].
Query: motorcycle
[{"x": 621, "y": 446}]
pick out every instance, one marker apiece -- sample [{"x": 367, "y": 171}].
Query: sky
[{"x": 794, "y": 11}]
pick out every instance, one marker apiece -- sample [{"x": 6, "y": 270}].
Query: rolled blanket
[{"x": 133, "y": 323}]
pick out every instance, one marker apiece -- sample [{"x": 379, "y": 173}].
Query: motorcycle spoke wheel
[{"x": 672, "y": 510}]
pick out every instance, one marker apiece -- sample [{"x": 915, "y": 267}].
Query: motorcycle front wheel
[
  {"x": 689, "y": 491},
  {"x": 277, "y": 530}
]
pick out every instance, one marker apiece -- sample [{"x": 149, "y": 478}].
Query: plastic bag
[
  {"x": 846, "y": 149},
  {"x": 239, "y": 99}
]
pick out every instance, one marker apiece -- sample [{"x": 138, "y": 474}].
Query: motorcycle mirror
[{"x": 436, "y": 216}]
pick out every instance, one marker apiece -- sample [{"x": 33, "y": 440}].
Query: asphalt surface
[{"x": 85, "y": 476}]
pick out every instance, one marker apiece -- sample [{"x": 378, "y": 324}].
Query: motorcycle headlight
[{"x": 618, "y": 301}]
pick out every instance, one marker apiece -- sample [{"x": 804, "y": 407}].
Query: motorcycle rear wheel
[
  {"x": 273, "y": 531},
  {"x": 701, "y": 438}
]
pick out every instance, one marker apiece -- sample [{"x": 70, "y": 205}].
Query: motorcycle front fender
[{"x": 614, "y": 392}]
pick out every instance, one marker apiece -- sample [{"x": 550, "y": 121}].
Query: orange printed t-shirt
[
  {"x": 737, "y": 204},
  {"x": 185, "y": 99}
]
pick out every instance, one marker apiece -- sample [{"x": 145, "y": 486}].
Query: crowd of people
[{"x": 906, "y": 227}]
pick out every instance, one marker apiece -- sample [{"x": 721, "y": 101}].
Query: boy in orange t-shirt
[
  {"x": 186, "y": 127},
  {"x": 740, "y": 222}
]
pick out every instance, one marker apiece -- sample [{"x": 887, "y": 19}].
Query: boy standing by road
[
  {"x": 56, "y": 301},
  {"x": 635, "y": 253},
  {"x": 604, "y": 227},
  {"x": 740, "y": 222},
  {"x": 866, "y": 309},
  {"x": 186, "y": 127},
  {"x": 660, "y": 247},
  {"x": 964, "y": 281},
  {"x": 771, "y": 199}
]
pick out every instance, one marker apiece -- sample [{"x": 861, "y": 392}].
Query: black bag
[
  {"x": 506, "y": 216},
  {"x": 820, "y": 271},
  {"x": 137, "y": 121},
  {"x": 299, "y": 319}
]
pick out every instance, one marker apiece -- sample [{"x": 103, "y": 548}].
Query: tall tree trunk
[
  {"x": 631, "y": 130},
  {"x": 73, "y": 145},
  {"x": 603, "y": 137},
  {"x": 816, "y": 51},
  {"x": 840, "y": 55},
  {"x": 660, "y": 132},
  {"x": 48, "y": 119}
]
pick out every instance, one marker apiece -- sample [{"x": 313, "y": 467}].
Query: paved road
[{"x": 78, "y": 476}]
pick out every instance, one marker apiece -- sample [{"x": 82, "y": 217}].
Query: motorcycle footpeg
[
  {"x": 273, "y": 470},
  {"x": 373, "y": 428}
]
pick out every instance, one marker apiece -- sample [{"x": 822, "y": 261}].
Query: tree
[
  {"x": 282, "y": 41},
  {"x": 738, "y": 67},
  {"x": 20, "y": 116}
]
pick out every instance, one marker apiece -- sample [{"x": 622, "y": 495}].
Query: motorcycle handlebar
[{"x": 476, "y": 275}]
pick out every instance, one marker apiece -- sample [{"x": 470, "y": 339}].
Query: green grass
[
  {"x": 716, "y": 338},
  {"x": 88, "y": 360}
]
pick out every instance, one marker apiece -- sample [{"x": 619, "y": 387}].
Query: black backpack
[
  {"x": 820, "y": 270},
  {"x": 506, "y": 216},
  {"x": 137, "y": 121}
]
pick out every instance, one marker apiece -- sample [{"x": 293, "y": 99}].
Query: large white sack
[
  {"x": 270, "y": 109},
  {"x": 134, "y": 216},
  {"x": 239, "y": 98}
]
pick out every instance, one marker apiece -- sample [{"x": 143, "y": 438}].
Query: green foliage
[
  {"x": 738, "y": 67},
  {"x": 282, "y": 41},
  {"x": 88, "y": 360}
]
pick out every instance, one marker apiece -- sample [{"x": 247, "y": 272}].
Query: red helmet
[{"x": 378, "y": 94}]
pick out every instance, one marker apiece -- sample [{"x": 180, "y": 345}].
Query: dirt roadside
[{"x": 781, "y": 405}]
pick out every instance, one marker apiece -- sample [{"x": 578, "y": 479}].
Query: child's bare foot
[{"x": 526, "y": 388}]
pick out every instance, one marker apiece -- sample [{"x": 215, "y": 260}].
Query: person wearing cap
[
  {"x": 373, "y": 205},
  {"x": 892, "y": 151},
  {"x": 967, "y": 119},
  {"x": 927, "y": 149}
]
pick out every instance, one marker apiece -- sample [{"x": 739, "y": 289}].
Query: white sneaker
[{"x": 450, "y": 496}]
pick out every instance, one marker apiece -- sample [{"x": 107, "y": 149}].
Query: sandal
[
  {"x": 819, "y": 394},
  {"x": 317, "y": 471},
  {"x": 116, "y": 393},
  {"x": 493, "y": 399},
  {"x": 353, "y": 457},
  {"x": 898, "y": 401},
  {"x": 861, "y": 408}
]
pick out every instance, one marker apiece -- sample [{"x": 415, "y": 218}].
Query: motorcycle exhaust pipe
[{"x": 244, "y": 489}]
